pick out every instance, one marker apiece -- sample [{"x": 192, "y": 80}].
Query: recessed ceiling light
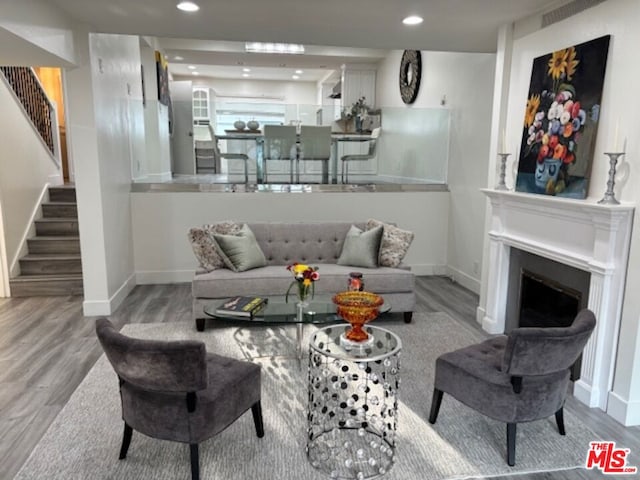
[
  {"x": 195, "y": 73},
  {"x": 413, "y": 20},
  {"x": 299, "y": 72},
  {"x": 188, "y": 7},
  {"x": 245, "y": 75},
  {"x": 191, "y": 67},
  {"x": 178, "y": 57},
  {"x": 295, "y": 77},
  {"x": 247, "y": 70}
]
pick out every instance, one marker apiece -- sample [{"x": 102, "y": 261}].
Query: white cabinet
[{"x": 357, "y": 82}]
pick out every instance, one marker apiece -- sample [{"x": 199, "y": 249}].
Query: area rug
[{"x": 84, "y": 440}]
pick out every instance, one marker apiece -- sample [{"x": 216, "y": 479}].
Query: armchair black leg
[
  {"x": 560, "y": 421},
  {"x": 256, "y": 410},
  {"x": 195, "y": 461},
  {"x": 407, "y": 317},
  {"x": 435, "y": 405},
  {"x": 126, "y": 440},
  {"x": 511, "y": 444}
]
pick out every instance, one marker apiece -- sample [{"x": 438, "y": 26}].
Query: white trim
[
  {"x": 29, "y": 232},
  {"x": 4, "y": 268},
  {"x": 93, "y": 308},
  {"x": 623, "y": 411},
  {"x": 399, "y": 179},
  {"x": 164, "y": 276},
  {"x": 154, "y": 178},
  {"x": 464, "y": 279},
  {"x": 480, "y": 314}
]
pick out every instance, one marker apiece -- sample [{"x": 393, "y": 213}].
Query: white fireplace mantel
[{"x": 580, "y": 233}]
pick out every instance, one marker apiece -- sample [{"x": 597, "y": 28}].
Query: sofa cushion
[
  {"x": 203, "y": 244},
  {"x": 275, "y": 279},
  {"x": 240, "y": 252},
  {"x": 394, "y": 245},
  {"x": 361, "y": 248}
]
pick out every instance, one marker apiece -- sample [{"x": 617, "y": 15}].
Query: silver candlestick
[
  {"x": 610, "y": 196},
  {"x": 503, "y": 166}
]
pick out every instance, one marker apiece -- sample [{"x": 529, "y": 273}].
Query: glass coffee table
[{"x": 319, "y": 310}]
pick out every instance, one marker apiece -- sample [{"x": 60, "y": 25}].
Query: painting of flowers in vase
[{"x": 561, "y": 120}]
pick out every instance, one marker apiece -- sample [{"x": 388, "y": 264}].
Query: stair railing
[{"x": 36, "y": 104}]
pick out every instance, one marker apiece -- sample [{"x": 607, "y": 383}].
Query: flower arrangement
[
  {"x": 304, "y": 277},
  {"x": 554, "y": 122},
  {"x": 358, "y": 110}
]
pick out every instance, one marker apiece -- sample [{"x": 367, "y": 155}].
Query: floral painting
[{"x": 561, "y": 119}]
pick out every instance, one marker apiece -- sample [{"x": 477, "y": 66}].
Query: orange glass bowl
[{"x": 357, "y": 308}]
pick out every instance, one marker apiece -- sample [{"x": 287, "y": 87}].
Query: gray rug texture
[{"x": 84, "y": 440}]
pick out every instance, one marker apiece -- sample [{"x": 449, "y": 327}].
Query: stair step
[
  {"x": 59, "y": 210},
  {"x": 59, "y": 244},
  {"x": 50, "y": 264},
  {"x": 57, "y": 227},
  {"x": 63, "y": 193},
  {"x": 34, "y": 285}
]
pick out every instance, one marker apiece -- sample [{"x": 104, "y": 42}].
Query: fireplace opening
[{"x": 547, "y": 303}]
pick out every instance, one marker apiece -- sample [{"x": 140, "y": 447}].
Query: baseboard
[
  {"x": 93, "y": 308},
  {"x": 480, "y": 314},
  {"x": 489, "y": 325},
  {"x": 586, "y": 393},
  {"x": 405, "y": 180},
  {"x": 426, "y": 269},
  {"x": 625, "y": 412},
  {"x": 167, "y": 276},
  {"x": 467, "y": 281}
]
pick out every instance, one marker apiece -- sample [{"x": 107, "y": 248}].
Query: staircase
[{"x": 52, "y": 266}]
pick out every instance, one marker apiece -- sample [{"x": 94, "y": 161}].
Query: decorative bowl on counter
[
  {"x": 253, "y": 125},
  {"x": 239, "y": 125},
  {"x": 357, "y": 308}
]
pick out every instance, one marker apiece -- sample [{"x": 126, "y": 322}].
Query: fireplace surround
[{"x": 580, "y": 234}]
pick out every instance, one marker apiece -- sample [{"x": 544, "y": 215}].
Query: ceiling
[{"x": 222, "y": 26}]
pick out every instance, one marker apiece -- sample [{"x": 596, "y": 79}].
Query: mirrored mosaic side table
[{"x": 353, "y": 403}]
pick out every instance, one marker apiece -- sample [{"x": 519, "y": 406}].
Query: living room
[{"x": 131, "y": 239}]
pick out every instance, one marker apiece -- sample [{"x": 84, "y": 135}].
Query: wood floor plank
[{"x": 47, "y": 347}]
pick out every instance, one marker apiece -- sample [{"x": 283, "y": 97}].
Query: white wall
[
  {"x": 303, "y": 93},
  {"x": 26, "y": 168},
  {"x": 106, "y": 128},
  {"x": 620, "y": 18},
  {"x": 466, "y": 81},
  {"x": 161, "y": 222},
  {"x": 43, "y": 26}
]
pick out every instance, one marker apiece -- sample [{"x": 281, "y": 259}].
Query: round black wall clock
[{"x": 410, "y": 73}]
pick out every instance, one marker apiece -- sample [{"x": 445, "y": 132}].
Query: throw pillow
[
  {"x": 240, "y": 252},
  {"x": 203, "y": 244},
  {"x": 360, "y": 249},
  {"x": 394, "y": 245}
]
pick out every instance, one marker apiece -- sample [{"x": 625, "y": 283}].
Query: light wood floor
[{"x": 47, "y": 347}]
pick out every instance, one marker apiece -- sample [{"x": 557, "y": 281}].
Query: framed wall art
[{"x": 561, "y": 120}]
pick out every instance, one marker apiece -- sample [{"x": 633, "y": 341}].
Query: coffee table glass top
[{"x": 320, "y": 309}]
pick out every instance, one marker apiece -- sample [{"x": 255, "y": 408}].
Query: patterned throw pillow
[
  {"x": 203, "y": 243},
  {"x": 394, "y": 245}
]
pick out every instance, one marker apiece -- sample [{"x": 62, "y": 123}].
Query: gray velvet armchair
[
  {"x": 175, "y": 390},
  {"x": 520, "y": 377}
]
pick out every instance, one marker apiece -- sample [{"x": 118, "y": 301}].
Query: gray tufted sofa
[{"x": 317, "y": 244}]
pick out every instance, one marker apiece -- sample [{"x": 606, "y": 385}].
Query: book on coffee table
[{"x": 241, "y": 306}]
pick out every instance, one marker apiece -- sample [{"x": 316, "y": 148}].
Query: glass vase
[{"x": 303, "y": 294}]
